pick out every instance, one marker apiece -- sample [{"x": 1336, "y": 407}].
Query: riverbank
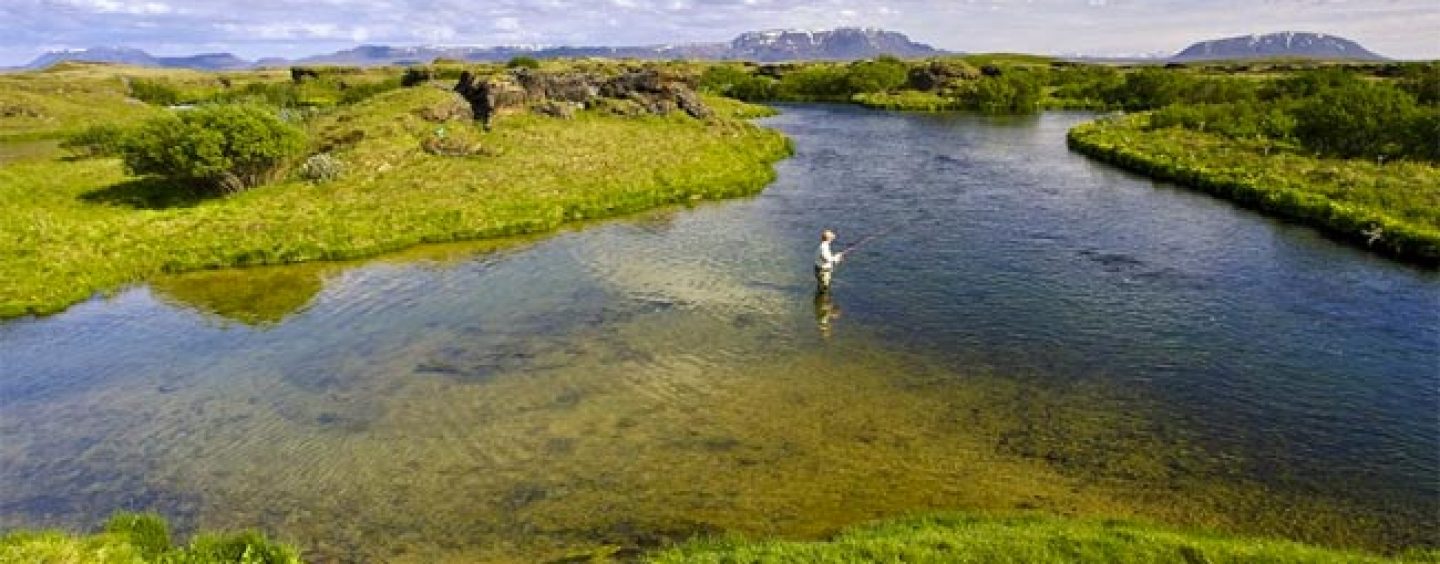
[
  {"x": 74, "y": 228},
  {"x": 1391, "y": 208},
  {"x": 134, "y": 538},
  {"x": 972, "y": 538}
]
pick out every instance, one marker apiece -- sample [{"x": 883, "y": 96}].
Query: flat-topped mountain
[
  {"x": 1278, "y": 45},
  {"x": 766, "y": 46},
  {"x": 844, "y": 43}
]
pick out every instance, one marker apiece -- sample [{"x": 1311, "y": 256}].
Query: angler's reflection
[{"x": 826, "y": 312}]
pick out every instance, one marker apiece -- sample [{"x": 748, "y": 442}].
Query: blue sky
[{"x": 254, "y": 28}]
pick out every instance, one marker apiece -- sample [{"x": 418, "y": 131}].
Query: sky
[{"x": 260, "y": 28}]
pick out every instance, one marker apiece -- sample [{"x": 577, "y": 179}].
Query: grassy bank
[
  {"x": 967, "y": 538},
  {"x": 130, "y": 538},
  {"x": 71, "y": 228},
  {"x": 1391, "y": 208}
]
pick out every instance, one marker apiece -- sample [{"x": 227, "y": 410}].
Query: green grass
[
  {"x": 971, "y": 538},
  {"x": 70, "y": 229},
  {"x": 909, "y": 101},
  {"x": 131, "y": 538},
  {"x": 58, "y": 102},
  {"x": 1391, "y": 208}
]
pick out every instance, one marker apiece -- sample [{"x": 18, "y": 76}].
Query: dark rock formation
[
  {"x": 938, "y": 75},
  {"x": 559, "y": 94}
]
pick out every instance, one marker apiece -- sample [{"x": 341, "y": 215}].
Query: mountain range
[{"x": 761, "y": 46}]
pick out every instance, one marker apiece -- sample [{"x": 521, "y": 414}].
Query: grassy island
[
  {"x": 71, "y": 227},
  {"x": 1393, "y": 208}
]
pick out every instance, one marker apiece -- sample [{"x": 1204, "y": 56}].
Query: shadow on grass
[{"x": 148, "y": 194}]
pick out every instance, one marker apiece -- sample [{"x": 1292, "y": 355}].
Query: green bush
[
  {"x": 736, "y": 83},
  {"x": 1309, "y": 83},
  {"x": 1423, "y": 81},
  {"x": 719, "y": 79},
  {"x": 154, "y": 92},
  {"x": 880, "y": 75},
  {"x": 1247, "y": 120},
  {"x": 221, "y": 147},
  {"x": 1359, "y": 119},
  {"x": 1010, "y": 92},
  {"x": 523, "y": 62},
  {"x": 819, "y": 82},
  {"x": 1147, "y": 88},
  {"x": 103, "y": 140}
]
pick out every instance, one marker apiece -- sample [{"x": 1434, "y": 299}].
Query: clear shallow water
[{"x": 1040, "y": 332}]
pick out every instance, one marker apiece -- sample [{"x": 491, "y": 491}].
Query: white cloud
[
  {"x": 122, "y": 7},
  {"x": 1402, "y": 28},
  {"x": 507, "y": 24}
]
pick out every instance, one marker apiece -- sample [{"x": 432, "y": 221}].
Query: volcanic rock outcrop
[{"x": 558, "y": 94}]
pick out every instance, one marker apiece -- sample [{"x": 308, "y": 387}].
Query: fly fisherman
[{"x": 825, "y": 260}]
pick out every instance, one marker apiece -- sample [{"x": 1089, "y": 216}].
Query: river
[{"x": 1033, "y": 331}]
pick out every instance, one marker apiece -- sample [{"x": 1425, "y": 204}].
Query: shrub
[
  {"x": 720, "y": 79},
  {"x": 154, "y": 92},
  {"x": 1010, "y": 92},
  {"x": 1309, "y": 83},
  {"x": 1360, "y": 119},
  {"x": 222, "y": 147},
  {"x": 1246, "y": 120},
  {"x": 880, "y": 75},
  {"x": 815, "y": 82},
  {"x": 523, "y": 62},
  {"x": 322, "y": 167},
  {"x": 1148, "y": 88},
  {"x": 1423, "y": 81},
  {"x": 103, "y": 140}
]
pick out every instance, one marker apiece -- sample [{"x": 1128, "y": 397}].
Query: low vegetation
[
  {"x": 970, "y": 538},
  {"x": 142, "y": 538}
]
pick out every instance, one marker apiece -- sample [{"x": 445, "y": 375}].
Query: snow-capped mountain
[
  {"x": 843, "y": 43},
  {"x": 1284, "y": 44},
  {"x": 764, "y": 46}
]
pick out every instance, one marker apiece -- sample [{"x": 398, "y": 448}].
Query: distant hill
[
  {"x": 117, "y": 55},
  {"x": 1278, "y": 45},
  {"x": 764, "y": 46},
  {"x": 206, "y": 61}
]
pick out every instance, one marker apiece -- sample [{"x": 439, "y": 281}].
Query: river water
[{"x": 1033, "y": 332}]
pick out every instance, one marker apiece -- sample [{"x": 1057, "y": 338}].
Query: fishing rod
[{"x": 870, "y": 237}]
